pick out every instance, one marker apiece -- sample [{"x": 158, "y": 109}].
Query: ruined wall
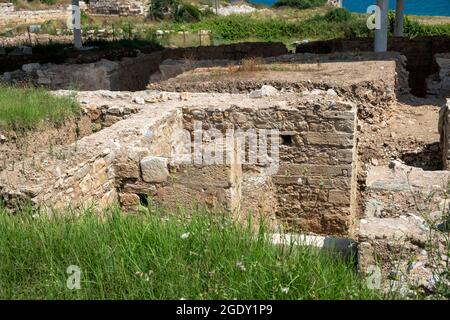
[
  {"x": 118, "y": 7},
  {"x": 312, "y": 189},
  {"x": 134, "y": 73},
  {"x": 419, "y": 51},
  {"x": 91, "y": 76},
  {"x": 9, "y": 16},
  {"x": 400, "y": 233},
  {"x": 129, "y": 73},
  {"x": 439, "y": 83}
]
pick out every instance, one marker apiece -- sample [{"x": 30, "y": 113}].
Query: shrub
[
  {"x": 338, "y": 15},
  {"x": 299, "y": 4},
  {"x": 188, "y": 13},
  {"x": 163, "y": 9},
  {"x": 49, "y": 2}
]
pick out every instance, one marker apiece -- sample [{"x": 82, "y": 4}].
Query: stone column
[
  {"x": 381, "y": 35},
  {"x": 399, "y": 16},
  {"x": 444, "y": 132},
  {"x": 76, "y": 21}
]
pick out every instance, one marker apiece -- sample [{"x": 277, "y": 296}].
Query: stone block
[
  {"x": 154, "y": 169},
  {"x": 330, "y": 138},
  {"x": 129, "y": 199},
  {"x": 339, "y": 197}
]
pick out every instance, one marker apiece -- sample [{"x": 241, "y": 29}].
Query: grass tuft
[
  {"x": 23, "y": 108},
  {"x": 156, "y": 256}
]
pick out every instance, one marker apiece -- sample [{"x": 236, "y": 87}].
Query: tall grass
[
  {"x": 154, "y": 256},
  {"x": 27, "y": 108}
]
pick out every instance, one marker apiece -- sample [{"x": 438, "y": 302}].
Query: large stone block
[
  {"x": 330, "y": 138},
  {"x": 154, "y": 169}
]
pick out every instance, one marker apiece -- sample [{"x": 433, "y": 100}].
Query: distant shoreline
[{"x": 361, "y": 6}]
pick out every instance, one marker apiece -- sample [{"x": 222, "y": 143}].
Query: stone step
[{"x": 402, "y": 190}]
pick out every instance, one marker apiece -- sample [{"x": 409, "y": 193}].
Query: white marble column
[
  {"x": 76, "y": 20},
  {"x": 399, "y": 16},
  {"x": 381, "y": 34}
]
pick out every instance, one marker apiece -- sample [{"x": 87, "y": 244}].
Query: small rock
[
  {"x": 30, "y": 67},
  {"x": 139, "y": 100},
  {"x": 115, "y": 110},
  {"x": 331, "y": 92},
  {"x": 265, "y": 91},
  {"x": 184, "y": 96}
]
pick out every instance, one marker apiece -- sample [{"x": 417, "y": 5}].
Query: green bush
[
  {"x": 338, "y": 15},
  {"x": 49, "y": 2},
  {"x": 244, "y": 27},
  {"x": 164, "y": 9},
  {"x": 299, "y": 4},
  {"x": 188, "y": 13}
]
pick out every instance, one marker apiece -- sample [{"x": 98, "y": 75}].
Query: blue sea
[{"x": 415, "y": 7}]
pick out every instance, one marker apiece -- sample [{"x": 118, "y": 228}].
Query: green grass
[
  {"x": 28, "y": 108},
  {"x": 146, "y": 257}
]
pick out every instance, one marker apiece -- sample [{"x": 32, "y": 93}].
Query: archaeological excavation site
[{"x": 347, "y": 147}]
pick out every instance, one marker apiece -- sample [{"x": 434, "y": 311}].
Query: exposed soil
[
  {"x": 410, "y": 134},
  {"x": 337, "y": 73},
  {"x": 15, "y": 146}
]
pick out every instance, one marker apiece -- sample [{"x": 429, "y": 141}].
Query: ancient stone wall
[
  {"x": 400, "y": 231},
  {"x": 130, "y": 73},
  {"x": 118, "y": 7},
  {"x": 91, "y": 76},
  {"x": 419, "y": 51},
  {"x": 18, "y": 17},
  {"x": 311, "y": 189},
  {"x": 134, "y": 74},
  {"x": 6, "y": 8},
  {"x": 439, "y": 83}
]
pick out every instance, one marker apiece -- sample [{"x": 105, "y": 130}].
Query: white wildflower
[
  {"x": 241, "y": 266},
  {"x": 285, "y": 290},
  {"x": 184, "y": 236}
]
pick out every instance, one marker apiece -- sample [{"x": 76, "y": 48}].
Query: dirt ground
[
  {"x": 410, "y": 135},
  {"x": 341, "y": 72},
  {"x": 16, "y": 146}
]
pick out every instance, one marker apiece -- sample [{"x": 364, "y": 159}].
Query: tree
[{"x": 164, "y": 9}]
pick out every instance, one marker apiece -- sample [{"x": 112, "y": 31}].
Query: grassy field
[
  {"x": 153, "y": 256},
  {"x": 27, "y": 108}
]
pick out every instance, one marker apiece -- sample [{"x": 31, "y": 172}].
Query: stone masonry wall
[
  {"x": 130, "y": 73},
  {"x": 91, "y": 76},
  {"x": 419, "y": 51},
  {"x": 118, "y": 7},
  {"x": 314, "y": 186},
  {"x": 10, "y": 16},
  {"x": 439, "y": 83}
]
